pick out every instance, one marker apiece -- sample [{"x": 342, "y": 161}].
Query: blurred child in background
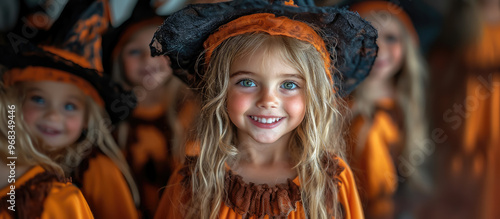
[
  {"x": 153, "y": 137},
  {"x": 40, "y": 187},
  {"x": 389, "y": 122},
  {"x": 62, "y": 104}
]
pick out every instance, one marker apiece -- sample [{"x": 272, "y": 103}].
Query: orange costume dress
[
  {"x": 39, "y": 194},
  {"x": 371, "y": 149},
  {"x": 247, "y": 200},
  {"x": 104, "y": 187}
]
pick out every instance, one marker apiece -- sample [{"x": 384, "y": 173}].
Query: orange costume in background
[
  {"x": 468, "y": 112},
  {"x": 148, "y": 153},
  {"x": 247, "y": 200},
  {"x": 36, "y": 186},
  {"x": 104, "y": 187},
  {"x": 371, "y": 149}
]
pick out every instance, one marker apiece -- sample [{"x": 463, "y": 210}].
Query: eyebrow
[{"x": 298, "y": 76}]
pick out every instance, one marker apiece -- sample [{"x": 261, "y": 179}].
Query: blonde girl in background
[
  {"x": 270, "y": 132},
  {"x": 388, "y": 110},
  {"x": 62, "y": 104},
  {"x": 38, "y": 185},
  {"x": 153, "y": 137}
]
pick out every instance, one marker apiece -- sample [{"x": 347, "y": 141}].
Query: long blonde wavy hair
[
  {"x": 26, "y": 147},
  {"x": 319, "y": 135},
  {"x": 97, "y": 134},
  {"x": 409, "y": 84}
]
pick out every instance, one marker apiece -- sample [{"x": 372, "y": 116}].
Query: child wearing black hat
[
  {"x": 271, "y": 77},
  {"x": 34, "y": 186},
  {"x": 63, "y": 104}
]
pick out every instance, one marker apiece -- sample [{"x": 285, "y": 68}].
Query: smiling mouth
[
  {"x": 48, "y": 131},
  {"x": 268, "y": 120}
]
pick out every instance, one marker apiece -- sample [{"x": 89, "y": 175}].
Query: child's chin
[{"x": 54, "y": 146}]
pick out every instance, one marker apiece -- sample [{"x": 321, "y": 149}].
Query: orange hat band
[
  {"x": 268, "y": 23},
  {"x": 39, "y": 73}
]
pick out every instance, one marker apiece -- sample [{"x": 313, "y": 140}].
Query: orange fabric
[
  {"x": 268, "y": 23},
  {"x": 149, "y": 151},
  {"x": 87, "y": 32},
  {"x": 290, "y": 3},
  {"x": 37, "y": 73},
  {"x": 367, "y": 8},
  {"x": 372, "y": 162},
  {"x": 80, "y": 60},
  {"x": 482, "y": 125},
  {"x": 63, "y": 201},
  {"x": 106, "y": 190},
  {"x": 468, "y": 111},
  {"x": 149, "y": 113},
  {"x": 172, "y": 203}
]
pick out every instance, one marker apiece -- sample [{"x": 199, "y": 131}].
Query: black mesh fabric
[
  {"x": 118, "y": 102},
  {"x": 351, "y": 38}
]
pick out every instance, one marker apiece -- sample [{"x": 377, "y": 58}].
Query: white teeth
[{"x": 264, "y": 120}]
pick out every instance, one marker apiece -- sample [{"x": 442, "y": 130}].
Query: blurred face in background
[
  {"x": 141, "y": 69},
  {"x": 55, "y": 112},
  {"x": 391, "y": 51}
]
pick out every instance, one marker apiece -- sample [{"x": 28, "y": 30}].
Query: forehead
[
  {"x": 53, "y": 88},
  {"x": 143, "y": 35},
  {"x": 264, "y": 59},
  {"x": 384, "y": 21}
]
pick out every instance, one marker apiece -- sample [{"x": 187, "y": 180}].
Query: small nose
[
  {"x": 268, "y": 99},
  {"x": 53, "y": 114}
]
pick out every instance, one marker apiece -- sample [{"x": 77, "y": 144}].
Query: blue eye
[
  {"x": 70, "y": 107},
  {"x": 37, "y": 100},
  {"x": 289, "y": 85},
  {"x": 246, "y": 83}
]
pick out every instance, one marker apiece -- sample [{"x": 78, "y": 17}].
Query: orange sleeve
[
  {"x": 107, "y": 191},
  {"x": 65, "y": 201},
  {"x": 374, "y": 166},
  {"x": 348, "y": 194},
  {"x": 172, "y": 202}
]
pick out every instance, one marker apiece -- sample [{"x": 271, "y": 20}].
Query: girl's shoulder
[{"x": 59, "y": 197}]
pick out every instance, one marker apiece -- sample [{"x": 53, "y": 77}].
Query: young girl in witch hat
[
  {"x": 271, "y": 137},
  {"x": 389, "y": 122},
  {"x": 34, "y": 186},
  {"x": 63, "y": 104}
]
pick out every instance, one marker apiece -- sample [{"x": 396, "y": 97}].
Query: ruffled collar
[{"x": 249, "y": 199}]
